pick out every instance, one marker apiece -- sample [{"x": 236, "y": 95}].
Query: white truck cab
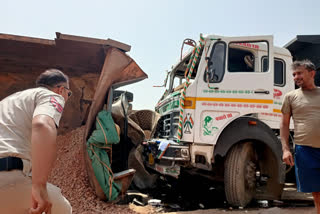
[{"x": 230, "y": 116}]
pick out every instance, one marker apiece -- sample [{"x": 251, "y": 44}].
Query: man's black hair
[{"x": 51, "y": 78}]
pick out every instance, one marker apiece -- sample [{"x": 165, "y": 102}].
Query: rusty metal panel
[
  {"x": 118, "y": 69},
  {"x": 22, "y": 59},
  {"x": 108, "y": 42}
]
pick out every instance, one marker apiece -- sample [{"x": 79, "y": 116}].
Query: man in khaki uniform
[
  {"x": 303, "y": 105},
  {"x": 28, "y": 122}
]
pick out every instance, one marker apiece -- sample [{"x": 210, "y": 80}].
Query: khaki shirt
[
  {"x": 16, "y": 114},
  {"x": 304, "y": 107}
]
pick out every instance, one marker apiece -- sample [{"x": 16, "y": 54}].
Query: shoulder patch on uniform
[{"x": 57, "y": 105}]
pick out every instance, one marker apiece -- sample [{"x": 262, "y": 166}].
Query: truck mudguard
[{"x": 249, "y": 128}]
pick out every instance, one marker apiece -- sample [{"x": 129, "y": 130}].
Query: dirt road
[{"x": 273, "y": 210}]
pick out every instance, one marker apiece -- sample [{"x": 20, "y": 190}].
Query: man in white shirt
[{"x": 28, "y": 132}]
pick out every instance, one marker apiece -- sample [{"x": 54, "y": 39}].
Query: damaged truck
[
  {"x": 218, "y": 117},
  {"x": 220, "y": 114}
]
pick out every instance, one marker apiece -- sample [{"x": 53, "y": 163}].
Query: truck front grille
[{"x": 168, "y": 126}]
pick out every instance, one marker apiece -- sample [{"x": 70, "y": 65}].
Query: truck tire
[{"x": 240, "y": 175}]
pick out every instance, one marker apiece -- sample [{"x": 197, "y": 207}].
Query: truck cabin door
[{"x": 234, "y": 83}]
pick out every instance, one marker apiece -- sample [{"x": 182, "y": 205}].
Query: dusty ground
[
  {"x": 69, "y": 174},
  {"x": 273, "y": 210}
]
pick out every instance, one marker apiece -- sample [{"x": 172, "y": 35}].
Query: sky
[{"x": 155, "y": 29}]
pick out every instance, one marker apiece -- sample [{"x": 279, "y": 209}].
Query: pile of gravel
[{"x": 69, "y": 174}]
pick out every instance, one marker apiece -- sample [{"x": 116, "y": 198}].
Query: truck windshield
[{"x": 177, "y": 76}]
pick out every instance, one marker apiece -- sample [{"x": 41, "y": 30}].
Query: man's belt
[{"x": 10, "y": 163}]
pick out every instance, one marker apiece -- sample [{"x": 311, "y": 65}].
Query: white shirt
[{"x": 16, "y": 114}]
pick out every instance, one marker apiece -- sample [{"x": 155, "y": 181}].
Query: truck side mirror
[
  {"x": 210, "y": 72},
  {"x": 209, "y": 62}
]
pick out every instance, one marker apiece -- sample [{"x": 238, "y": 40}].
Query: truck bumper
[{"x": 166, "y": 156}]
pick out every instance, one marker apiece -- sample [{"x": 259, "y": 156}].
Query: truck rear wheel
[{"x": 240, "y": 174}]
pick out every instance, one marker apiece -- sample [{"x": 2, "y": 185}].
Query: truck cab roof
[{"x": 180, "y": 66}]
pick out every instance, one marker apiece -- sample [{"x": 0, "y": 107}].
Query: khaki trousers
[{"x": 15, "y": 194}]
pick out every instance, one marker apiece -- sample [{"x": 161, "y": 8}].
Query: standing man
[
  {"x": 303, "y": 105},
  {"x": 28, "y": 122}
]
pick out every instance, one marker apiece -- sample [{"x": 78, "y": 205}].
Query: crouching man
[{"x": 28, "y": 132}]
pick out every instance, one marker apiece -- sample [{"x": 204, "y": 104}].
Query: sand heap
[{"x": 69, "y": 174}]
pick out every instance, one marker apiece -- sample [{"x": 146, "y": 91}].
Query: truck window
[
  {"x": 216, "y": 63},
  {"x": 279, "y": 70},
  {"x": 177, "y": 81},
  {"x": 243, "y": 56},
  {"x": 240, "y": 60}
]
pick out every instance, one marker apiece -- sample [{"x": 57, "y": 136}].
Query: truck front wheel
[{"x": 240, "y": 174}]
